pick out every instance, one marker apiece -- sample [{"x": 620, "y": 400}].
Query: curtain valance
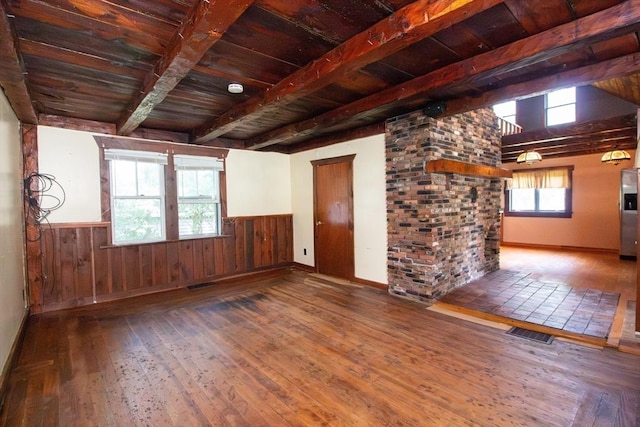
[{"x": 540, "y": 178}]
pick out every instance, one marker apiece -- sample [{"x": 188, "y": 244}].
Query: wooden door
[{"x": 333, "y": 216}]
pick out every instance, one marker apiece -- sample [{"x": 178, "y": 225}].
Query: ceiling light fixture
[
  {"x": 529, "y": 157},
  {"x": 615, "y": 156},
  {"x": 235, "y": 88}
]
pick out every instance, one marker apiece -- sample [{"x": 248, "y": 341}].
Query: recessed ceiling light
[{"x": 235, "y": 88}]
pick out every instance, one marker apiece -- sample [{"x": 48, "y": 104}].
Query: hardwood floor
[
  {"x": 299, "y": 350},
  {"x": 582, "y": 269}
]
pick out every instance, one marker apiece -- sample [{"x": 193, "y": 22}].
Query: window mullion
[
  {"x": 171, "y": 201},
  {"x": 136, "y": 180}
]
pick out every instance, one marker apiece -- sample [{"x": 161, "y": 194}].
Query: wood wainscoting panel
[
  {"x": 186, "y": 261},
  {"x": 79, "y": 267},
  {"x": 101, "y": 262},
  {"x": 239, "y": 231},
  {"x": 160, "y": 268},
  {"x": 131, "y": 267},
  {"x": 285, "y": 237}
]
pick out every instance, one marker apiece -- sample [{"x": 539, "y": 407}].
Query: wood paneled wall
[{"x": 78, "y": 267}]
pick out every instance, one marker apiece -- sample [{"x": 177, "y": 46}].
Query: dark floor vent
[
  {"x": 199, "y": 285},
  {"x": 531, "y": 335}
]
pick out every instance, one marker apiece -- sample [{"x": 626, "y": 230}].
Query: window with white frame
[
  {"x": 161, "y": 191},
  {"x": 198, "y": 182},
  {"x": 540, "y": 193},
  {"x": 137, "y": 195},
  {"x": 560, "y": 106}
]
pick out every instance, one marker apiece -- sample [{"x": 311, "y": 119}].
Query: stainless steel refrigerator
[{"x": 629, "y": 214}]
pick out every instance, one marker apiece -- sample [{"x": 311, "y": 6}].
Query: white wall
[
  {"x": 595, "y": 222},
  {"x": 12, "y": 278},
  {"x": 369, "y": 199},
  {"x": 258, "y": 183},
  {"x": 72, "y": 158}
]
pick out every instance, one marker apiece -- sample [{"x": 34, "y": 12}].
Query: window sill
[
  {"x": 539, "y": 214},
  {"x": 155, "y": 242}
]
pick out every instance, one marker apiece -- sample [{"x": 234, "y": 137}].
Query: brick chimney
[{"x": 443, "y": 228}]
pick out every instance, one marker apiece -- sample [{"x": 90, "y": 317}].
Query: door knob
[{"x": 318, "y": 222}]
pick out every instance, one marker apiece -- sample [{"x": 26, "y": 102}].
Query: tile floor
[{"x": 520, "y": 296}]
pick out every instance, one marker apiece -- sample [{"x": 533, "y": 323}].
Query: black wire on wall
[{"x": 41, "y": 202}]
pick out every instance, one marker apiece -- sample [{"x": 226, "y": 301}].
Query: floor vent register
[{"x": 531, "y": 335}]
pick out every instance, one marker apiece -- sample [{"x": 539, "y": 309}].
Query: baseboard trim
[
  {"x": 13, "y": 358},
  {"x": 370, "y": 283},
  {"x": 304, "y": 267},
  {"x": 558, "y": 247},
  {"x": 255, "y": 274}
]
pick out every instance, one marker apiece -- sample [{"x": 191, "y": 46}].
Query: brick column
[{"x": 443, "y": 229}]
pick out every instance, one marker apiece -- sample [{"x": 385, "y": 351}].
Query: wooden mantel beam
[
  {"x": 409, "y": 25},
  {"x": 205, "y": 24},
  {"x": 469, "y": 169},
  {"x": 13, "y": 73},
  {"x": 538, "y": 48}
]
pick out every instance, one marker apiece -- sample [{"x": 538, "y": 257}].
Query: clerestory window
[{"x": 560, "y": 106}]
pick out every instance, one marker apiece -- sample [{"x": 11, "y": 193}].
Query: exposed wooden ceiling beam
[
  {"x": 323, "y": 141},
  {"x": 13, "y": 72},
  {"x": 110, "y": 128},
  {"x": 571, "y": 141},
  {"x": 408, "y": 25},
  {"x": 205, "y": 24},
  {"x": 593, "y": 128},
  {"x": 225, "y": 143},
  {"x": 540, "y": 47},
  {"x": 76, "y": 124},
  {"x": 579, "y": 149},
  {"x": 573, "y": 138},
  {"x": 582, "y": 76}
]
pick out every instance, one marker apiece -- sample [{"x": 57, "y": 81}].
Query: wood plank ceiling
[{"x": 314, "y": 71}]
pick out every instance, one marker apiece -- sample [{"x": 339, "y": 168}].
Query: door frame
[{"x": 322, "y": 162}]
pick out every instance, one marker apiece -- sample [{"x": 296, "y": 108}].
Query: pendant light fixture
[
  {"x": 615, "y": 156},
  {"x": 529, "y": 157}
]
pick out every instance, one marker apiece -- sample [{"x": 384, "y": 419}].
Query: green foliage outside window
[
  {"x": 198, "y": 218},
  {"x": 137, "y": 220}
]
